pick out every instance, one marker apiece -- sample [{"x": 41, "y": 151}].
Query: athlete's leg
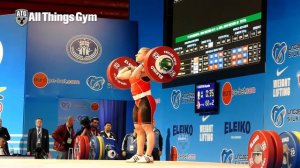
[
  {"x": 140, "y": 139},
  {"x": 148, "y": 128}
]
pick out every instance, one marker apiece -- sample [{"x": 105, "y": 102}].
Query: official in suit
[
  {"x": 38, "y": 141},
  {"x": 4, "y": 134}
]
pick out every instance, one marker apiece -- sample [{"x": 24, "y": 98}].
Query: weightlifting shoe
[
  {"x": 145, "y": 159},
  {"x": 134, "y": 159}
]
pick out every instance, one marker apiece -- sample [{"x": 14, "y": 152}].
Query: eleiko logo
[
  {"x": 277, "y": 115},
  {"x": 84, "y": 49},
  {"x": 227, "y": 156},
  {"x": 175, "y": 98},
  {"x": 278, "y": 52},
  {"x": 227, "y": 93},
  {"x": 40, "y": 80}
]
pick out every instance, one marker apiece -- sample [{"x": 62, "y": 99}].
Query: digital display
[
  {"x": 217, "y": 39},
  {"x": 206, "y": 98}
]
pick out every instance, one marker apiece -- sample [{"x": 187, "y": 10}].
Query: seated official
[{"x": 129, "y": 147}]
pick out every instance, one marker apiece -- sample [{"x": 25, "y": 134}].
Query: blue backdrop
[{"x": 12, "y": 77}]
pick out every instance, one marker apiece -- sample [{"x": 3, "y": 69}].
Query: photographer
[{"x": 85, "y": 127}]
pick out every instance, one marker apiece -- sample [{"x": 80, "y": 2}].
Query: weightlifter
[{"x": 144, "y": 108}]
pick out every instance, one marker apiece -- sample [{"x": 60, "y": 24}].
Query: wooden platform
[{"x": 53, "y": 163}]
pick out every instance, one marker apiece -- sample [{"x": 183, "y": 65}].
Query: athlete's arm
[{"x": 125, "y": 73}]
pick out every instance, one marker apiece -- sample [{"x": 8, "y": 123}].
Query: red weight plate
[
  {"x": 87, "y": 147},
  {"x": 173, "y": 154},
  {"x": 113, "y": 69},
  {"x": 79, "y": 148},
  {"x": 261, "y": 150},
  {"x": 150, "y": 64},
  {"x": 278, "y": 148}
]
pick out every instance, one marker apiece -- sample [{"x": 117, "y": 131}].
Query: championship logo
[
  {"x": 277, "y": 115},
  {"x": 278, "y": 52},
  {"x": 84, "y": 49},
  {"x": 22, "y": 16},
  {"x": 175, "y": 98},
  {"x": 95, "y": 83},
  {"x": 65, "y": 105},
  {"x": 1, "y": 52},
  {"x": 227, "y": 156}
]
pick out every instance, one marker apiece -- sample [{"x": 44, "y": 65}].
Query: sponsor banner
[
  {"x": 229, "y": 156},
  {"x": 78, "y": 108},
  {"x": 228, "y": 92},
  {"x": 183, "y": 136},
  {"x": 178, "y": 97},
  {"x": 73, "y": 63},
  {"x": 282, "y": 68},
  {"x": 23, "y": 16}
]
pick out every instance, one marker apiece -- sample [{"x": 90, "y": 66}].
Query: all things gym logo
[
  {"x": 41, "y": 80},
  {"x": 228, "y": 92},
  {"x": 84, "y": 49},
  {"x": 279, "y": 113},
  {"x": 177, "y": 98},
  {"x": 183, "y": 135},
  {"x": 228, "y": 156}
]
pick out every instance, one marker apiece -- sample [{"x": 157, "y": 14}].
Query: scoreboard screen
[
  {"x": 206, "y": 98},
  {"x": 216, "y": 39}
]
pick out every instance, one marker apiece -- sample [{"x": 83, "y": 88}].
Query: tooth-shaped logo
[
  {"x": 227, "y": 156},
  {"x": 1, "y": 52},
  {"x": 278, "y": 52},
  {"x": 95, "y": 83},
  {"x": 175, "y": 98},
  {"x": 277, "y": 115}
]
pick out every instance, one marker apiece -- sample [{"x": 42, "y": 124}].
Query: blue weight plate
[
  {"x": 291, "y": 150},
  {"x": 94, "y": 148}
]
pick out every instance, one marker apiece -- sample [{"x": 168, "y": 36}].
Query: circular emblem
[
  {"x": 95, "y": 106},
  {"x": 84, "y": 49},
  {"x": 40, "y": 80},
  {"x": 227, "y": 93}
]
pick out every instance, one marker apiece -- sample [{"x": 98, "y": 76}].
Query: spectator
[
  {"x": 107, "y": 131},
  {"x": 38, "y": 141},
  {"x": 4, "y": 134},
  {"x": 64, "y": 137},
  {"x": 129, "y": 147}
]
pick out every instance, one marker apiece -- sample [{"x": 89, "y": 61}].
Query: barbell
[{"x": 162, "y": 64}]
